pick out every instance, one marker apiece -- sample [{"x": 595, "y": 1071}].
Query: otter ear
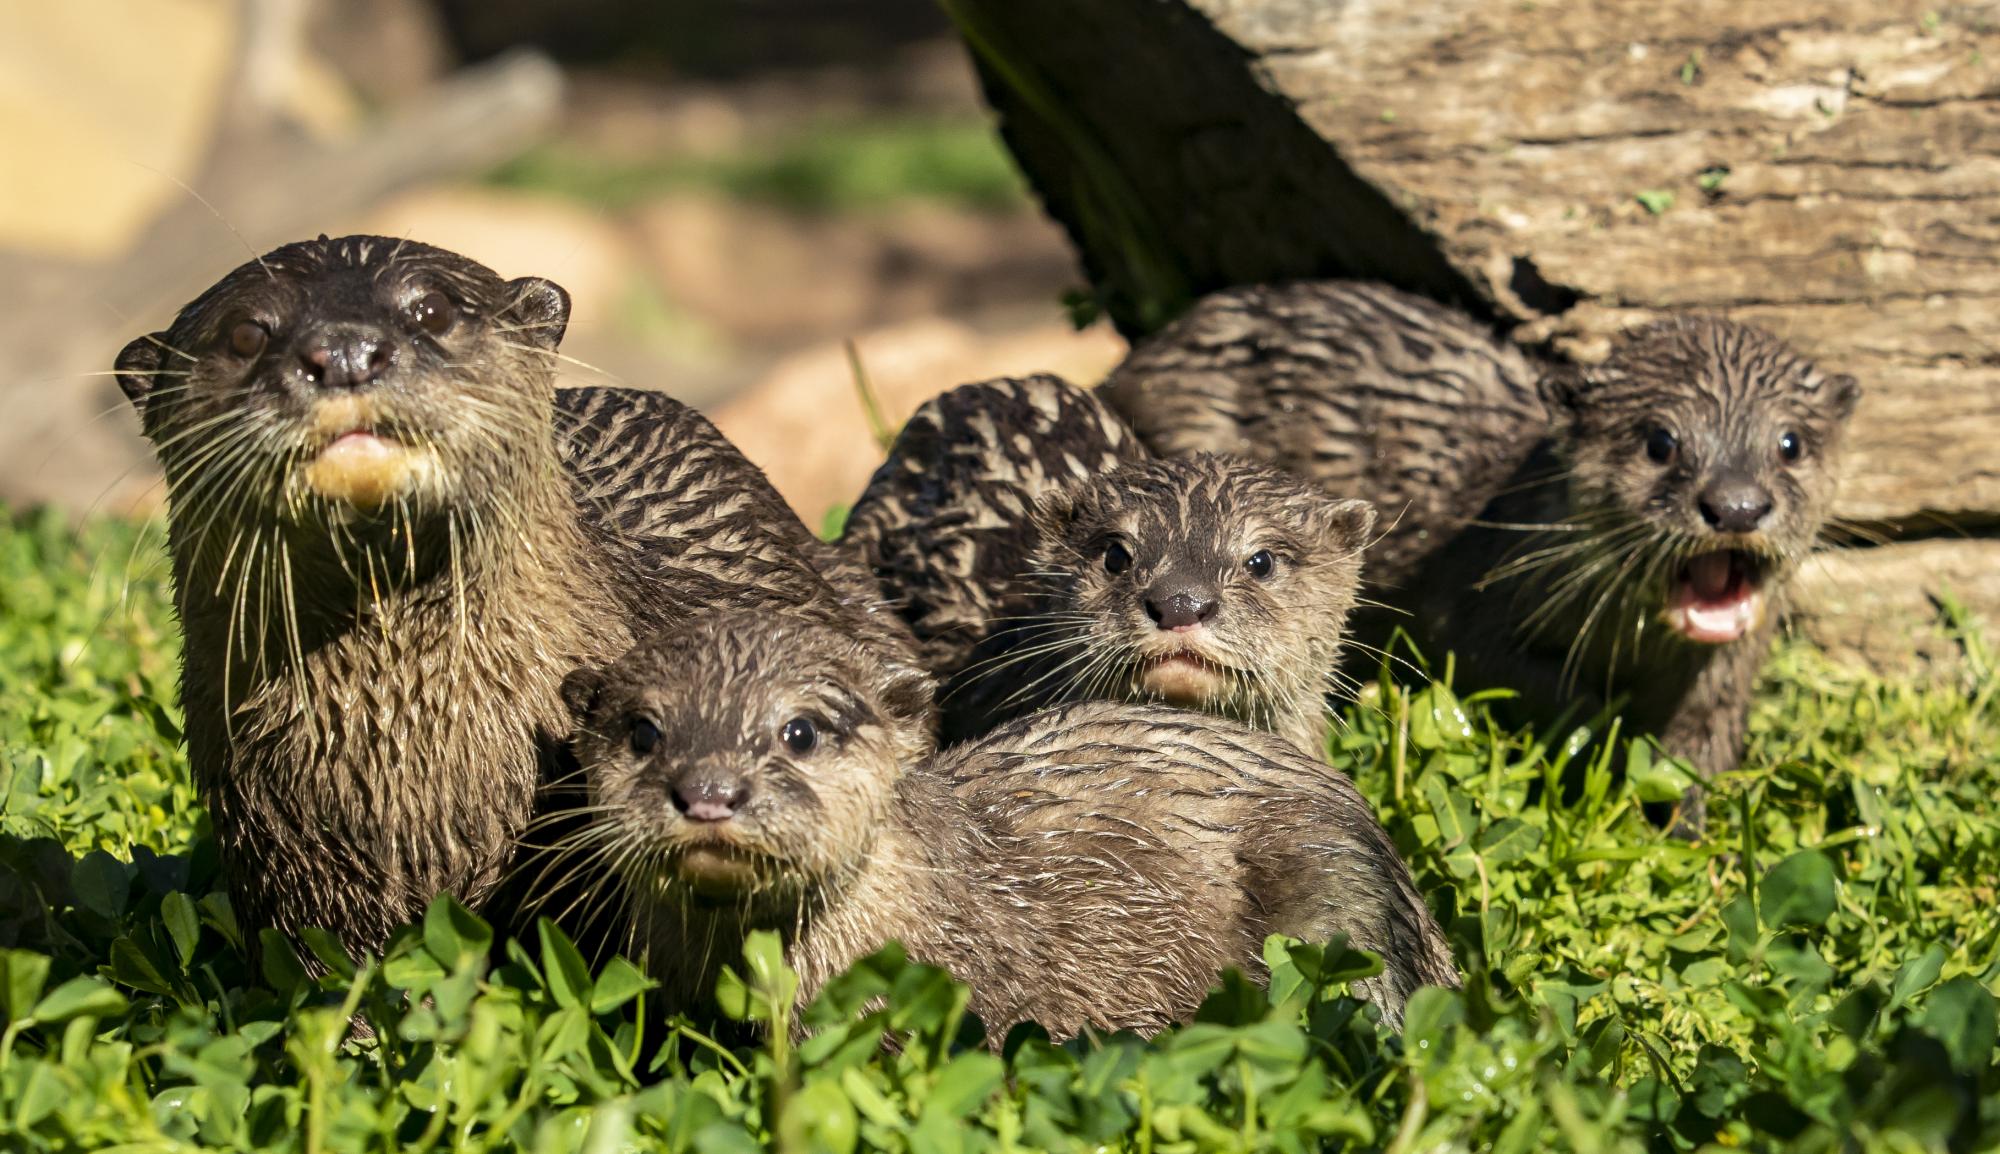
[
  {"x": 908, "y": 692},
  {"x": 580, "y": 691},
  {"x": 1347, "y": 523},
  {"x": 1054, "y": 510},
  {"x": 1562, "y": 388},
  {"x": 136, "y": 365},
  {"x": 1842, "y": 392},
  {"x": 541, "y": 309}
]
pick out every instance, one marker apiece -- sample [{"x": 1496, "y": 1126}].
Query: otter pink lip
[{"x": 1716, "y": 598}]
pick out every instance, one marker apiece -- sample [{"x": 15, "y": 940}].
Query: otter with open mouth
[
  {"x": 1619, "y": 531},
  {"x": 1042, "y": 557},
  {"x": 1094, "y": 866}
]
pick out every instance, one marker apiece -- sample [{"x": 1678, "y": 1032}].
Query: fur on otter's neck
[{"x": 388, "y": 749}]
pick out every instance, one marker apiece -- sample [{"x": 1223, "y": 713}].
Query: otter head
[
  {"x": 745, "y": 760},
  {"x": 331, "y": 381},
  {"x": 1208, "y": 582},
  {"x": 1702, "y": 459}
]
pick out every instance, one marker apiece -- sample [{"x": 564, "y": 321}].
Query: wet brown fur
[
  {"x": 990, "y": 523},
  {"x": 1531, "y": 536},
  {"x": 371, "y": 694},
  {"x": 1096, "y": 865}
]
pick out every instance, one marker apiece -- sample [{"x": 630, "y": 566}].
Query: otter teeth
[{"x": 1715, "y": 600}]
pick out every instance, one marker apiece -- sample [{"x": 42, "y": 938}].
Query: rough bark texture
[{"x": 1826, "y": 168}]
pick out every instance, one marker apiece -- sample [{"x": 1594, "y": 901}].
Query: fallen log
[{"x": 1826, "y": 168}]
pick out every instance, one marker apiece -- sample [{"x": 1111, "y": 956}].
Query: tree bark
[{"x": 1829, "y": 169}]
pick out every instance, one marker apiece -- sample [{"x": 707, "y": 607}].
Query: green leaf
[
  {"x": 818, "y": 1119},
  {"x": 732, "y": 995},
  {"x": 1509, "y": 840},
  {"x": 618, "y": 984},
  {"x": 1655, "y": 200},
  {"x": 1916, "y": 975},
  {"x": 1429, "y": 1017},
  {"x": 1960, "y": 1014},
  {"x": 454, "y": 935},
  {"x": 183, "y": 924},
  {"x": 563, "y": 967},
  {"x": 131, "y": 966},
  {"x": 965, "y": 1082},
  {"x": 101, "y": 883},
  {"x": 77, "y": 997},
  {"x": 1798, "y": 891},
  {"x": 22, "y": 974}
]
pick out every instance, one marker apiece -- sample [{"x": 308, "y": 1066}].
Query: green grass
[
  {"x": 1815, "y": 975},
  {"x": 837, "y": 166}
]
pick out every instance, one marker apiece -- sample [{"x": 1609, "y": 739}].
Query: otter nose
[
  {"x": 346, "y": 358},
  {"x": 1182, "y": 608},
  {"x": 1734, "y": 504},
  {"x": 710, "y": 796}
]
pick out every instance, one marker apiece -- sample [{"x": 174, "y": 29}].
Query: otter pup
[
  {"x": 1636, "y": 546},
  {"x": 384, "y": 563},
  {"x": 1042, "y": 559},
  {"x": 1092, "y": 866}
]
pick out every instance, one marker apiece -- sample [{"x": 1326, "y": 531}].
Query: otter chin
[
  {"x": 360, "y": 463},
  {"x": 715, "y": 869},
  {"x": 1182, "y": 678},
  {"x": 1717, "y": 598}
]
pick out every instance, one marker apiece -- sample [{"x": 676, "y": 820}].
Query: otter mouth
[
  {"x": 357, "y": 458},
  {"x": 1182, "y": 677},
  {"x": 1717, "y": 597},
  {"x": 716, "y": 870}
]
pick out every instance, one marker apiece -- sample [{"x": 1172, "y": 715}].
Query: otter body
[
  {"x": 1619, "y": 532},
  {"x": 1044, "y": 558},
  {"x": 1362, "y": 389},
  {"x": 1092, "y": 866},
  {"x": 385, "y": 559}
]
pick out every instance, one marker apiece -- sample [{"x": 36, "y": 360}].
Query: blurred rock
[
  {"x": 112, "y": 100},
  {"x": 804, "y": 424},
  {"x": 389, "y": 50},
  {"x": 766, "y": 275},
  {"x": 522, "y": 234}
]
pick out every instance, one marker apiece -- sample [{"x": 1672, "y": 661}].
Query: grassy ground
[
  {"x": 1816, "y": 974},
  {"x": 837, "y": 166}
]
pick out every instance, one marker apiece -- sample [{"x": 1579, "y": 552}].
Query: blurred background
[{"x": 735, "y": 196}]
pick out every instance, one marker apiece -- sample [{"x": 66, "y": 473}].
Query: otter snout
[
  {"x": 1735, "y": 503},
  {"x": 1181, "y": 607},
  {"x": 709, "y": 794},
  {"x": 346, "y": 356}
]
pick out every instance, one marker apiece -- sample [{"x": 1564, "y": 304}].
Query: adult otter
[
  {"x": 1091, "y": 866},
  {"x": 1043, "y": 559},
  {"x": 384, "y": 564},
  {"x": 1637, "y": 544}
]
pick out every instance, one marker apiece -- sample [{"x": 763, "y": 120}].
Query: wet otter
[
  {"x": 1363, "y": 389},
  {"x": 1042, "y": 559},
  {"x": 1636, "y": 547},
  {"x": 1096, "y": 865},
  {"x": 384, "y": 563}
]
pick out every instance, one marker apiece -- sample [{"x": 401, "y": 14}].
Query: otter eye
[
  {"x": 645, "y": 736},
  {"x": 433, "y": 313},
  {"x": 248, "y": 338},
  {"x": 1661, "y": 446},
  {"x": 1261, "y": 564},
  {"x": 1117, "y": 558},
  {"x": 1790, "y": 446},
  {"x": 800, "y": 735}
]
